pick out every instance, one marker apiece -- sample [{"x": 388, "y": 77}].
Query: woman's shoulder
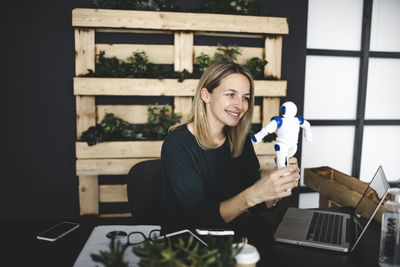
[{"x": 179, "y": 135}]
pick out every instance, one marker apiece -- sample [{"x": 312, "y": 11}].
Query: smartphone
[
  {"x": 57, "y": 231},
  {"x": 217, "y": 232}
]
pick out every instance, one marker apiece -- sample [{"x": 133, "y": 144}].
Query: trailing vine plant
[
  {"x": 230, "y": 53},
  {"x": 236, "y": 7},
  {"x": 138, "y": 65},
  {"x": 111, "y": 128},
  {"x": 155, "y": 5}
]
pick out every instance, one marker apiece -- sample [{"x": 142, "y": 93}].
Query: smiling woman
[
  {"x": 213, "y": 99},
  {"x": 228, "y": 102},
  {"x": 210, "y": 170}
]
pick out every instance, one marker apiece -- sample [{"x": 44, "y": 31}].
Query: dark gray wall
[{"x": 38, "y": 107}]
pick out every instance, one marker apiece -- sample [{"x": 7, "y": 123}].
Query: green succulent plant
[{"x": 183, "y": 253}]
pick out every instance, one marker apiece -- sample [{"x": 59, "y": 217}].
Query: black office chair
[{"x": 144, "y": 191}]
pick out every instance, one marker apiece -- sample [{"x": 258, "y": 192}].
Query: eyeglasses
[{"x": 134, "y": 238}]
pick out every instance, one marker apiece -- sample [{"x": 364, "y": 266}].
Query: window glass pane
[
  {"x": 332, "y": 146},
  {"x": 334, "y": 24},
  {"x": 385, "y": 34},
  {"x": 331, "y": 87},
  {"x": 383, "y": 93},
  {"x": 309, "y": 200},
  {"x": 381, "y": 146}
]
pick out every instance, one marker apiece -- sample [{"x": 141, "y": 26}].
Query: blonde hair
[{"x": 211, "y": 79}]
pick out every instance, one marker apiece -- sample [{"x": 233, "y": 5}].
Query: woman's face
[{"x": 227, "y": 104}]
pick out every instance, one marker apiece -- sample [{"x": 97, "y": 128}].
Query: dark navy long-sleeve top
[{"x": 197, "y": 180}]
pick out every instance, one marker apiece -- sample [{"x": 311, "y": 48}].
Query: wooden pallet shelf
[
  {"x": 161, "y": 87},
  {"x": 153, "y": 20},
  {"x": 116, "y": 158},
  {"x": 140, "y": 149}
]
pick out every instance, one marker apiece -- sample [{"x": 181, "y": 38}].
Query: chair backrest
[{"x": 144, "y": 191}]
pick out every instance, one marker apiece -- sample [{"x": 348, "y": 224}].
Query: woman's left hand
[{"x": 271, "y": 203}]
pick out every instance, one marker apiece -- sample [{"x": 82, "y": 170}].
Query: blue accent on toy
[
  {"x": 277, "y": 147},
  {"x": 283, "y": 110},
  {"x": 254, "y": 138},
  {"x": 301, "y": 119},
  {"x": 278, "y": 120}
]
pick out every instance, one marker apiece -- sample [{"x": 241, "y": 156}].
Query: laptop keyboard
[{"x": 326, "y": 228}]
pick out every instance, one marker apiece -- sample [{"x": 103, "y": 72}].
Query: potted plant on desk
[{"x": 219, "y": 253}]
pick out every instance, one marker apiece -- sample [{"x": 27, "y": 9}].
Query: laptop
[{"x": 339, "y": 231}]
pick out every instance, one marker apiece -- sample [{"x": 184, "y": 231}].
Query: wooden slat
[
  {"x": 246, "y": 52},
  {"x": 163, "y": 87},
  {"x": 158, "y": 54},
  {"x": 113, "y": 193},
  {"x": 106, "y": 166},
  {"x": 273, "y": 54},
  {"x": 88, "y": 195},
  {"x": 256, "y": 114},
  {"x": 134, "y": 87},
  {"x": 182, "y": 105},
  {"x": 183, "y": 51},
  {"x": 129, "y": 113},
  {"x": 85, "y": 114},
  {"x": 234, "y": 35},
  {"x": 138, "y": 113},
  {"x": 264, "y": 148},
  {"x": 84, "y": 50},
  {"x": 270, "y": 109},
  {"x": 166, "y": 32},
  {"x": 84, "y": 60},
  {"x": 120, "y": 149},
  {"x": 114, "y": 215},
  {"x": 267, "y": 162},
  {"x": 122, "y": 166},
  {"x": 84, "y": 17},
  {"x": 140, "y": 149}
]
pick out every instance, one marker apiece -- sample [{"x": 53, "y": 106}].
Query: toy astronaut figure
[{"x": 287, "y": 130}]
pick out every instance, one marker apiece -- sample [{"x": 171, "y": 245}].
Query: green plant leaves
[
  {"x": 185, "y": 253},
  {"x": 138, "y": 65},
  {"x": 114, "y": 257},
  {"x": 236, "y": 7},
  {"x": 155, "y": 5},
  {"x": 160, "y": 119},
  {"x": 230, "y": 53}
]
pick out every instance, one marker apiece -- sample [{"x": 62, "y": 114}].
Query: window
[{"x": 352, "y": 86}]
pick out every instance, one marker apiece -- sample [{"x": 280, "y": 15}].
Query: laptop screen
[
  {"x": 373, "y": 197},
  {"x": 373, "y": 194}
]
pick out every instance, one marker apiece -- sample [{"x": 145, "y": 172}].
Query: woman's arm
[{"x": 268, "y": 188}]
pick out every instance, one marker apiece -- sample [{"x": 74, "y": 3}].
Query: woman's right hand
[{"x": 274, "y": 185}]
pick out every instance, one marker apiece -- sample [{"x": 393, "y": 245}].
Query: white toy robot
[{"x": 287, "y": 131}]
